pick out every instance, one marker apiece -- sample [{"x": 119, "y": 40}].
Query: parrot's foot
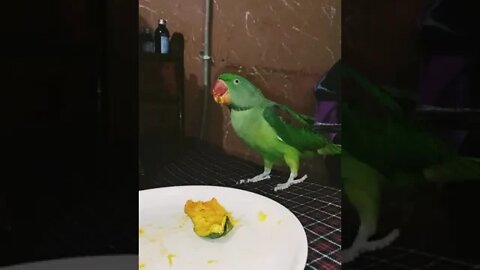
[
  {"x": 260, "y": 177},
  {"x": 348, "y": 255},
  {"x": 382, "y": 243},
  {"x": 291, "y": 181}
]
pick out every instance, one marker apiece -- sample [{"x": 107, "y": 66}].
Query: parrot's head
[{"x": 234, "y": 90}]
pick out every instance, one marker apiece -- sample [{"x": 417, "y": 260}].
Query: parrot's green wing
[
  {"x": 297, "y": 130},
  {"x": 388, "y": 145},
  {"x": 374, "y": 91},
  {"x": 306, "y": 121},
  {"x": 393, "y": 144}
]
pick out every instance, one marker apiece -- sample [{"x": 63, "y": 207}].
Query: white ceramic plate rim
[{"x": 120, "y": 262}]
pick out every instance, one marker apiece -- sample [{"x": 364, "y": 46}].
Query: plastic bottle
[
  {"x": 162, "y": 37},
  {"x": 148, "y": 43}
]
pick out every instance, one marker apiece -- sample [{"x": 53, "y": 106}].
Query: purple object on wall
[
  {"x": 327, "y": 113},
  {"x": 444, "y": 84},
  {"x": 327, "y": 95}
]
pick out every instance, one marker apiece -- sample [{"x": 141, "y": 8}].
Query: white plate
[
  {"x": 118, "y": 262},
  {"x": 277, "y": 243}
]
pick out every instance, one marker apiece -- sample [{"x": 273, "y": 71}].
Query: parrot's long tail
[
  {"x": 330, "y": 149},
  {"x": 456, "y": 169}
]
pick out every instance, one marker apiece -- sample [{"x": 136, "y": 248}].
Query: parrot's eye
[{"x": 236, "y": 81}]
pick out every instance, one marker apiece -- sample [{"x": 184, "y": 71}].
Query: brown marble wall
[
  {"x": 380, "y": 39},
  {"x": 283, "y": 46}
]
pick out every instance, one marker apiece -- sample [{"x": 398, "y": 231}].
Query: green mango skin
[{"x": 228, "y": 227}]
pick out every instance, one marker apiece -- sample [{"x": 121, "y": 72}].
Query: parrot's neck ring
[{"x": 238, "y": 108}]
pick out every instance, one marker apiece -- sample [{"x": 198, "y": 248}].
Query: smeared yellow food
[
  {"x": 170, "y": 258},
  {"x": 141, "y": 266},
  {"x": 212, "y": 261},
  {"x": 262, "y": 216},
  {"x": 209, "y": 218},
  {"x": 183, "y": 221},
  {"x": 141, "y": 231},
  {"x": 279, "y": 221}
]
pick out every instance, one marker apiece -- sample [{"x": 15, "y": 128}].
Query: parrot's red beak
[{"x": 220, "y": 93}]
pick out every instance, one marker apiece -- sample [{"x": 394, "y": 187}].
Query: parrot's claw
[
  {"x": 291, "y": 181},
  {"x": 348, "y": 255},
  {"x": 257, "y": 178},
  {"x": 382, "y": 243}
]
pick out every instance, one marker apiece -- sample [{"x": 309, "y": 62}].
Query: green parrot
[
  {"x": 276, "y": 132},
  {"x": 388, "y": 149}
]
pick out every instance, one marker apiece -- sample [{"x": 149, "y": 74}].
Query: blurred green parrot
[
  {"x": 388, "y": 148},
  {"x": 276, "y": 132}
]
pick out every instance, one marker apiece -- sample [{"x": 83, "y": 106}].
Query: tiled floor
[{"x": 402, "y": 258}]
